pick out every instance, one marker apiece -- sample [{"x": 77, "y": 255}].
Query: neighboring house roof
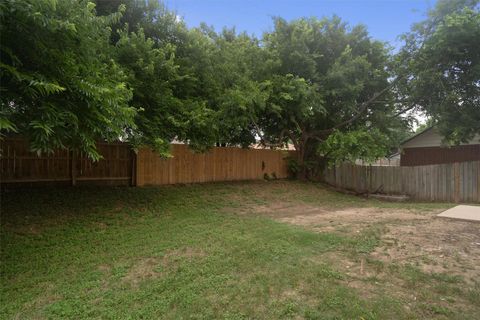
[
  {"x": 416, "y": 135},
  {"x": 430, "y": 137}
]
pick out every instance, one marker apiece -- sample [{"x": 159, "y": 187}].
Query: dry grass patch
[
  {"x": 411, "y": 236},
  {"x": 187, "y": 253},
  {"x": 413, "y": 256},
  {"x": 151, "y": 268},
  {"x": 434, "y": 245},
  {"x": 144, "y": 269}
]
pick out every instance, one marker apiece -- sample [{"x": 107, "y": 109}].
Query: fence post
[
  {"x": 140, "y": 168},
  {"x": 456, "y": 170},
  {"x": 478, "y": 181},
  {"x": 133, "y": 171},
  {"x": 73, "y": 167},
  {"x": 370, "y": 188}
]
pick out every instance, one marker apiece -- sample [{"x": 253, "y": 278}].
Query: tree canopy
[
  {"x": 59, "y": 83},
  {"x": 75, "y": 72},
  {"x": 328, "y": 80},
  {"x": 439, "y": 68}
]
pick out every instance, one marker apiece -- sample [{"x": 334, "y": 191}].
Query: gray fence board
[{"x": 453, "y": 182}]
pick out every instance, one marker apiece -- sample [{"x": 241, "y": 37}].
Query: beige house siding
[{"x": 431, "y": 138}]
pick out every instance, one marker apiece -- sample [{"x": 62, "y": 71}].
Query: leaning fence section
[{"x": 453, "y": 182}]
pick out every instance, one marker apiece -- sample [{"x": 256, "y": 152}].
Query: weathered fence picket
[{"x": 455, "y": 182}]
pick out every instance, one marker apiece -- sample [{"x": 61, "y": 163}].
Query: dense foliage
[
  {"x": 328, "y": 80},
  {"x": 75, "y": 72},
  {"x": 60, "y": 85},
  {"x": 440, "y": 68}
]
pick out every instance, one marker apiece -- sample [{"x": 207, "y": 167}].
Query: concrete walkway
[{"x": 462, "y": 212}]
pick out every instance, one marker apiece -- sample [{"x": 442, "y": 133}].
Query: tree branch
[
  {"x": 264, "y": 141},
  {"x": 362, "y": 109},
  {"x": 404, "y": 110}
]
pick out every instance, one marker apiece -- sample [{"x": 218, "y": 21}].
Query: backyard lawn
[{"x": 263, "y": 250}]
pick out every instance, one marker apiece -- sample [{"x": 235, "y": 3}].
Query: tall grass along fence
[
  {"x": 120, "y": 165},
  {"x": 453, "y": 182}
]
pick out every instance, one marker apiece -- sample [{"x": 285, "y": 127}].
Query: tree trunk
[
  {"x": 309, "y": 163},
  {"x": 302, "y": 174}
]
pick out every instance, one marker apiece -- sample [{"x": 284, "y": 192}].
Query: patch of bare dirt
[
  {"x": 435, "y": 245},
  {"x": 353, "y": 219},
  {"x": 327, "y": 220},
  {"x": 104, "y": 268},
  {"x": 420, "y": 238}
]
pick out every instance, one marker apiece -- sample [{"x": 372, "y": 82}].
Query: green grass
[{"x": 183, "y": 252}]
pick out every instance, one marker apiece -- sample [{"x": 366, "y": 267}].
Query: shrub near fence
[{"x": 453, "y": 182}]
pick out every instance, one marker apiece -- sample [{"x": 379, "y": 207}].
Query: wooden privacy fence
[
  {"x": 218, "y": 164},
  {"x": 19, "y": 165},
  {"x": 453, "y": 182},
  {"x": 122, "y": 166}
]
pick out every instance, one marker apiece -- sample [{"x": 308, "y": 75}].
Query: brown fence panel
[
  {"x": 119, "y": 165},
  {"x": 218, "y": 164},
  {"x": 453, "y": 182},
  {"x": 19, "y": 165},
  {"x": 116, "y": 164}
]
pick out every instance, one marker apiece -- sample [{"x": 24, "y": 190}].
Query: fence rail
[{"x": 453, "y": 182}]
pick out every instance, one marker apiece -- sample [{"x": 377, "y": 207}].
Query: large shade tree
[
  {"x": 146, "y": 41},
  {"x": 60, "y": 86},
  {"x": 439, "y": 68},
  {"x": 330, "y": 93},
  {"x": 193, "y": 85},
  {"x": 227, "y": 74},
  {"x": 163, "y": 114}
]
